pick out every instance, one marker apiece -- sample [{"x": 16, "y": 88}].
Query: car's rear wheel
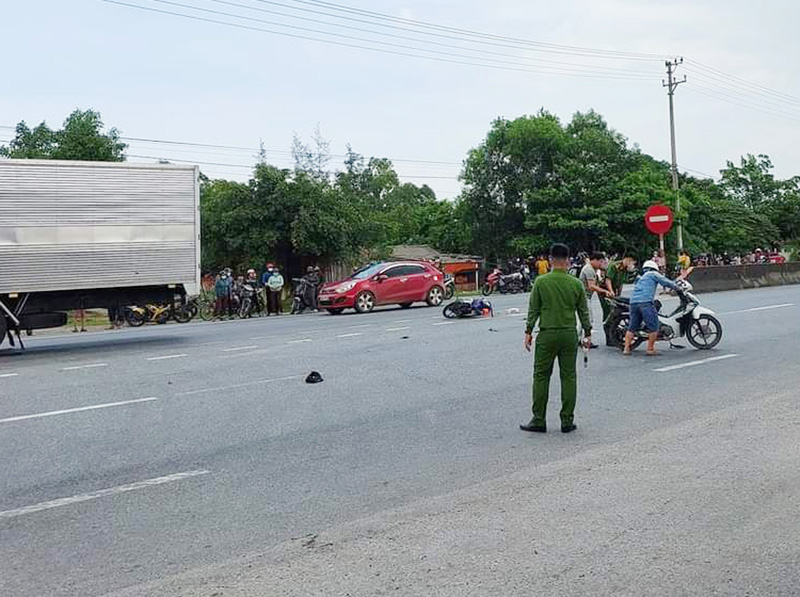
[
  {"x": 406, "y": 305},
  {"x": 435, "y": 296},
  {"x": 365, "y": 302},
  {"x": 335, "y": 311}
]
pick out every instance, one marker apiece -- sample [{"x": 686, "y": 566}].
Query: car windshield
[{"x": 367, "y": 272}]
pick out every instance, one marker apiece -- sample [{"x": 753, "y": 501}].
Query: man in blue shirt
[{"x": 643, "y": 308}]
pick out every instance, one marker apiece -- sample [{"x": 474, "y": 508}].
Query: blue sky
[{"x": 159, "y": 76}]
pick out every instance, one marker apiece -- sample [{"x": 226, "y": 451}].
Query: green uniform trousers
[
  {"x": 605, "y": 304},
  {"x": 552, "y": 344}
]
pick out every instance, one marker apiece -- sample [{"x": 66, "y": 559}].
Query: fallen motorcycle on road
[{"x": 476, "y": 308}]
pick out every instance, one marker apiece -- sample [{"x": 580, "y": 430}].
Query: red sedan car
[{"x": 390, "y": 283}]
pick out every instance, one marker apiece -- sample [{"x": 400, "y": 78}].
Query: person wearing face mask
[
  {"x": 618, "y": 273},
  {"x": 222, "y": 291},
  {"x": 265, "y": 284}
]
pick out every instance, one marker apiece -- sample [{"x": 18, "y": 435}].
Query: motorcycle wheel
[
  {"x": 451, "y": 311},
  {"x": 449, "y": 292},
  {"x": 619, "y": 334},
  {"x": 164, "y": 317},
  {"x": 207, "y": 312},
  {"x": 183, "y": 314},
  {"x": 487, "y": 289},
  {"x": 135, "y": 318},
  {"x": 704, "y": 333},
  {"x": 244, "y": 309}
]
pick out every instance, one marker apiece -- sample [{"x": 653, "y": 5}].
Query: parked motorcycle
[
  {"x": 449, "y": 287},
  {"x": 504, "y": 283},
  {"x": 186, "y": 311},
  {"x": 249, "y": 304},
  {"x": 137, "y": 316},
  {"x": 301, "y": 298},
  {"x": 697, "y": 323},
  {"x": 476, "y": 308}
]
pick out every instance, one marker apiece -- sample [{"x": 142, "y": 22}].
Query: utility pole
[{"x": 671, "y": 84}]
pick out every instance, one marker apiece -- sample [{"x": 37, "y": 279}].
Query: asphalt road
[{"x": 133, "y": 457}]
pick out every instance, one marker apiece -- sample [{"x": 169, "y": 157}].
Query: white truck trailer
[{"x": 83, "y": 235}]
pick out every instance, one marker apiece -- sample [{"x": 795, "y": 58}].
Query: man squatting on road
[{"x": 555, "y": 299}]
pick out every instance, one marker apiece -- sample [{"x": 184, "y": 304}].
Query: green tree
[
  {"x": 81, "y": 138},
  {"x": 751, "y": 182},
  {"x": 516, "y": 161},
  {"x": 30, "y": 144}
]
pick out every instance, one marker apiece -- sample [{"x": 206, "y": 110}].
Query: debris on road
[{"x": 314, "y": 377}]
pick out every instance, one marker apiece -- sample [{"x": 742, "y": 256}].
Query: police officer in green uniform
[{"x": 555, "y": 299}]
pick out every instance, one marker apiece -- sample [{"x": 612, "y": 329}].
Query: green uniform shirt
[
  {"x": 555, "y": 299},
  {"x": 618, "y": 275}
]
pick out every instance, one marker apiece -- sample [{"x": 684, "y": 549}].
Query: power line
[
  {"x": 254, "y": 151},
  {"x": 739, "y": 81},
  {"x": 748, "y": 101},
  {"x": 252, "y": 166},
  {"x": 466, "y": 60},
  {"x": 414, "y": 39},
  {"x": 685, "y": 169},
  {"x": 545, "y": 46},
  {"x": 765, "y": 99},
  {"x": 236, "y": 167},
  {"x": 737, "y": 102}
]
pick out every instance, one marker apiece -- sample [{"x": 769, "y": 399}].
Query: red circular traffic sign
[{"x": 658, "y": 219}]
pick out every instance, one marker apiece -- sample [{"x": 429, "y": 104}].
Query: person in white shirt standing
[{"x": 591, "y": 284}]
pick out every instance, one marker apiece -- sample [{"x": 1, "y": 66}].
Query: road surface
[{"x": 148, "y": 461}]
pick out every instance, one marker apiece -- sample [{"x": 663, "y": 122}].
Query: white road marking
[
  {"x": 167, "y": 357},
  {"x": 397, "y": 329},
  {"x": 8, "y": 375},
  {"x": 696, "y": 363},
  {"x": 299, "y": 341},
  {"x": 237, "y": 348},
  {"x": 91, "y": 366},
  {"x": 445, "y": 323},
  {"x": 349, "y": 335},
  {"x": 517, "y": 314},
  {"x": 93, "y": 495},
  {"x": 758, "y": 309},
  {"x": 53, "y": 413},
  {"x": 402, "y": 320},
  {"x": 363, "y": 325},
  {"x": 238, "y": 385}
]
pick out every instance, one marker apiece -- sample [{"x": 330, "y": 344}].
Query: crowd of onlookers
[
  {"x": 753, "y": 257},
  {"x": 266, "y": 291}
]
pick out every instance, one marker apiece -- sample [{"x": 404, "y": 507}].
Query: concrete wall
[{"x": 733, "y": 277}]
